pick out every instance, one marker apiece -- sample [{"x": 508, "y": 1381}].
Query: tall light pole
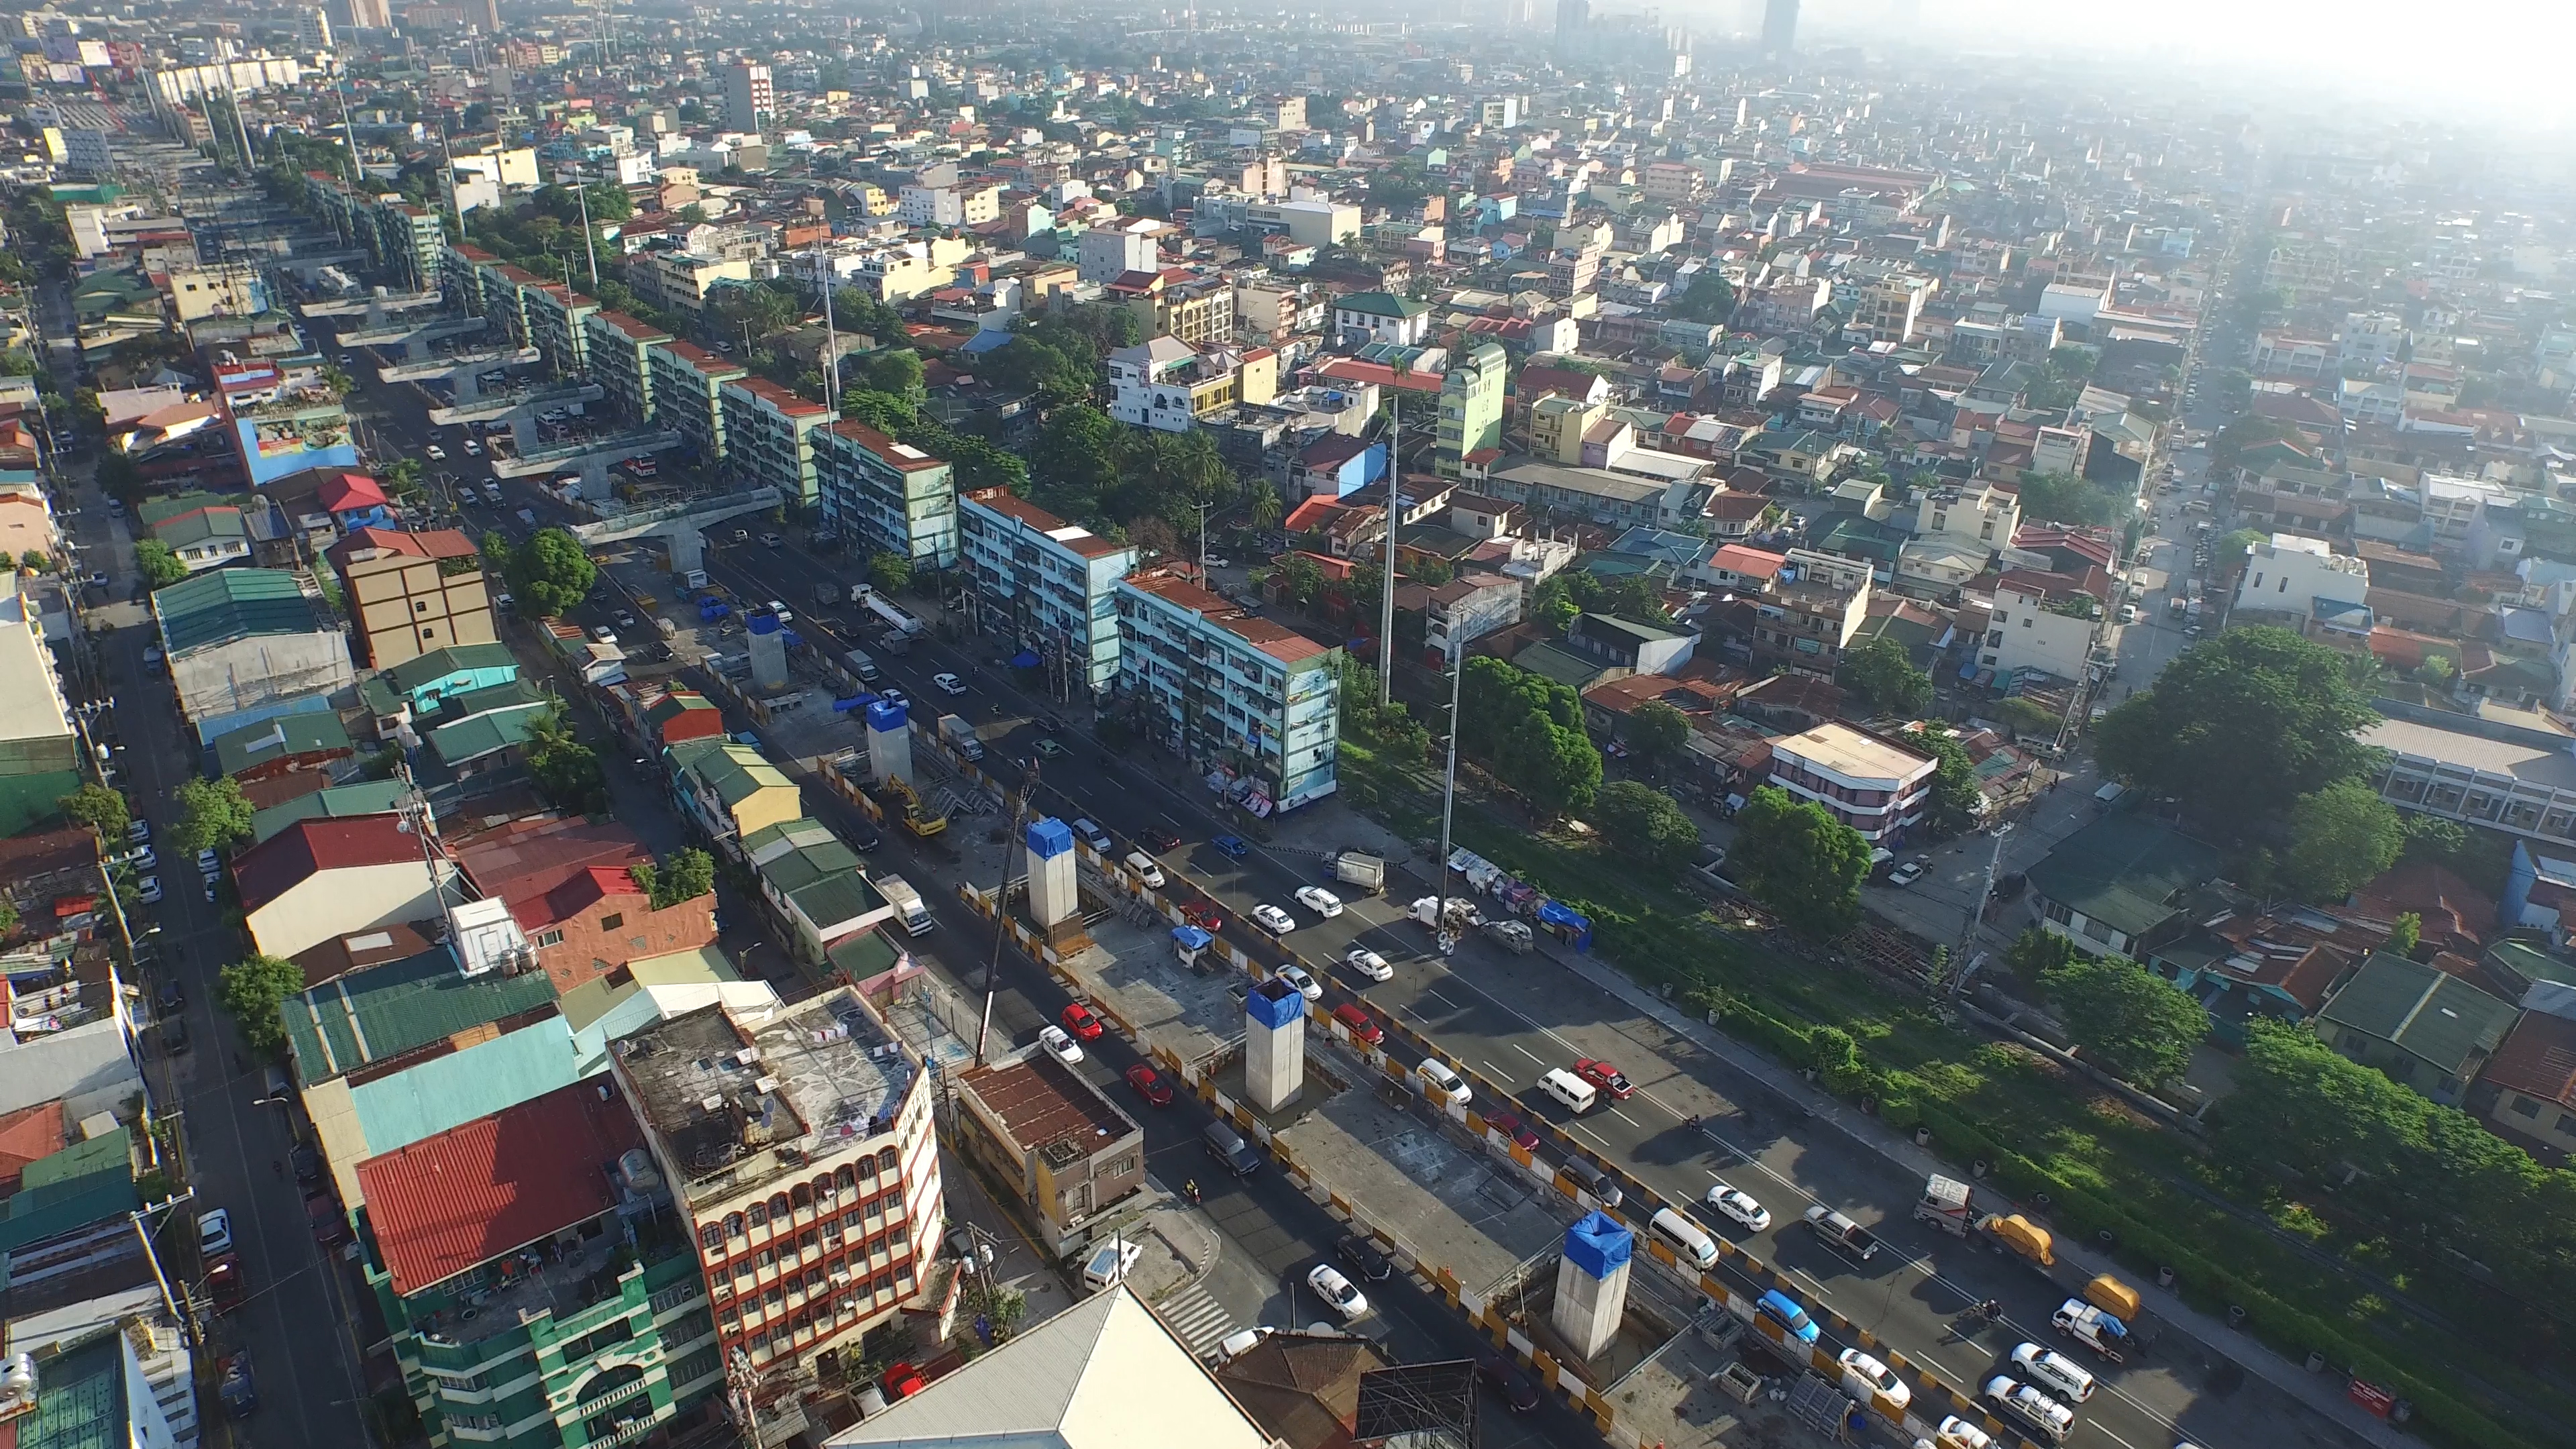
[
  {"x": 1449, "y": 779},
  {"x": 1386, "y": 607}
]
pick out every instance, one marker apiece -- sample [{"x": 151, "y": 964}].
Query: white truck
[
  {"x": 1463, "y": 915},
  {"x": 960, "y": 735},
  {"x": 906, "y": 902},
  {"x": 1367, "y": 872},
  {"x": 862, "y": 666},
  {"x": 884, "y": 608}
]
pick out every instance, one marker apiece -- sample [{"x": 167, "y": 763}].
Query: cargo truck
[
  {"x": 861, "y": 666},
  {"x": 960, "y": 736},
  {"x": 906, "y": 902},
  {"x": 1364, "y": 871}
]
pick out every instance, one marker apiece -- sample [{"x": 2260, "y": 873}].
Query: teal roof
[
  {"x": 278, "y": 737},
  {"x": 80, "y": 1185},
  {"x": 2428, "y": 1014},
  {"x": 438, "y": 664},
  {"x": 2124, "y": 871},
  {"x": 158, "y": 511},
  {"x": 820, "y": 873},
  {"x": 80, "y": 1399},
  {"x": 382, "y": 1012},
  {"x": 448, "y": 1091},
  {"x": 367, "y": 797},
  {"x": 203, "y": 525},
  {"x": 228, "y": 604}
]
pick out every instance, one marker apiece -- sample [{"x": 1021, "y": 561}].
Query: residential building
[
  {"x": 404, "y": 243},
  {"x": 893, "y": 496},
  {"x": 1363, "y": 318},
  {"x": 1106, "y": 253},
  {"x": 769, "y": 438},
  {"x": 587, "y": 918},
  {"x": 813, "y": 881},
  {"x": 1307, "y": 223},
  {"x": 1238, "y": 695},
  {"x": 1466, "y": 608},
  {"x": 1066, "y": 1150},
  {"x": 1977, "y": 514},
  {"x": 414, "y": 688},
  {"x": 322, "y": 878},
  {"x": 284, "y": 745},
  {"x": 1195, "y": 307},
  {"x": 2024, "y": 633},
  {"x": 231, "y": 291},
  {"x": 751, "y": 100},
  {"x": 1598, "y": 495},
  {"x": 1621, "y": 647},
  {"x": 1167, "y": 384},
  {"x": 2117, "y": 886},
  {"x": 2303, "y": 584},
  {"x": 411, "y": 594},
  {"x": 1107, "y": 1373},
  {"x": 1889, "y": 306},
  {"x": 1558, "y": 424},
  {"x": 1047, "y": 585},
  {"x": 605, "y": 1336},
  {"x": 238, "y": 640},
  {"x": 678, "y": 282},
  {"x": 95, "y": 1393},
  {"x": 620, "y": 351},
  {"x": 559, "y": 327},
  {"x": 688, "y": 396},
  {"x": 1804, "y": 625},
  {"x": 2422, "y": 1026},
  {"x": 2478, "y": 771},
  {"x": 811, "y": 1119},
  {"x": 1472, "y": 393},
  {"x": 2533, "y": 1077},
  {"x": 731, "y": 791},
  {"x": 1871, "y": 784},
  {"x": 40, "y": 752}
]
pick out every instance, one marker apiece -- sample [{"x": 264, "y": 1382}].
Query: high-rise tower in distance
[{"x": 1779, "y": 27}]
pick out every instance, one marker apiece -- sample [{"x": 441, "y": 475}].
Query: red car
[
  {"x": 1607, "y": 1077},
  {"x": 1204, "y": 917},
  {"x": 1151, "y": 1085},
  {"x": 1352, "y": 1015},
  {"x": 1515, "y": 1129},
  {"x": 1077, "y": 1018}
]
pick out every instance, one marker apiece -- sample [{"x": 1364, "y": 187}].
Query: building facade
[
  {"x": 1048, "y": 585},
  {"x": 1471, "y": 407},
  {"x": 769, "y": 436},
  {"x": 1861, "y": 780},
  {"x": 620, "y": 352},
  {"x": 1254, "y": 703},
  {"x": 688, "y": 390},
  {"x": 893, "y": 496}
]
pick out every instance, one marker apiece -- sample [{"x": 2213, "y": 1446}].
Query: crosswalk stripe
[{"x": 1196, "y": 1316}]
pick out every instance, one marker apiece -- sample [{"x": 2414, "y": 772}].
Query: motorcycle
[{"x": 1190, "y": 1190}]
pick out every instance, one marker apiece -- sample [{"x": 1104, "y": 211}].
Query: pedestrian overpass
[
  {"x": 680, "y": 528},
  {"x": 412, "y": 337},
  {"x": 462, "y": 367},
  {"x": 591, "y": 459},
  {"x": 377, "y": 307},
  {"x": 519, "y": 407}
]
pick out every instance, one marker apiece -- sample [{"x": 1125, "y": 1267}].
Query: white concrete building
[
  {"x": 1874, "y": 787},
  {"x": 2021, "y": 634},
  {"x": 2293, "y": 575}
]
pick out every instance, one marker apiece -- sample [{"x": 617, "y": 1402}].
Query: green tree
[
  {"x": 8, "y": 917},
  {"x": 1555, "y": 768},
  {"x": 1708, "y": 298},
  {"x": 254, "y": 992},
  {"x": 549, "y": 573},
  {"x": 1261, "y": 507},
  {"x": 2341, "y": 838},
  {"x": 1799, "y": 861},
  {"x": 1645, "y": 825},
  {"x": 895, "y": 370},
  {"x": 1882, "y": 676},
  {"x": 1957, "y": 799},
  {"x": 2034, "y": 953},
  {"x": 402, "y": 478},
  {"x": 891, "y": 572},
  {"x": 1302, "y": 578},
  {"x": 565, "y": 770},
  {"x": 1554, "y": 611},
  {"x": 2065, "y": 498},
  {"x": 212, "y": 815},
  {"x": 158, "y": 564},
  {"x": 100, "y": 808},
  {"x": 883, "y": 411},
  {"x": 34, "y": 561},
  {"x": 684, "y": 877},
  {"x": 1657, "y": 732},
  {"x": 2239, "y": 726},
  {"x": 2228, "y": 447},
  {"x": 2131, "y": 1022},
  {"x": 2405, "y": 935}
]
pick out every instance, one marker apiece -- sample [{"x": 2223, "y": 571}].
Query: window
[
  {"x": 548, "y": 938},
  {"x": 759, "y": 1214},
  {"x": 2525, "y": 1107}
]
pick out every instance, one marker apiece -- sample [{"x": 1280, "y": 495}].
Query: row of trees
[{"x": 1528, "y": 730}]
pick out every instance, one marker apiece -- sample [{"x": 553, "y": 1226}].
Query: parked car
[
  {"x": 1354, "y": 1016},
  {"x": 1510, "y": 1125},
  {"x": 1906, "y": 874},
  {"x": 149, "y": 892},
  {"x": 1150, "y": 1084},
  {"x": 1079, "y": 1020},
  {"x": 1782, "y": 1309},
  {"x": 1442, "y": 1082},
  {"x": 1274, "y": 920},
  {"x": 1865, "y": 1378},
  {"x": 214, "y": 1232},
  {"x": 1338, "y": 1292},
  {"x": 1058, "y": 1045}
]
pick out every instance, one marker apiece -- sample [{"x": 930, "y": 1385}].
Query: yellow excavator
[{"x": 899, "y": 798}]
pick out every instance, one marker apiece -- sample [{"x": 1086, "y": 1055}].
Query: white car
[
  {"x": 473, "y": 447},
  {"x": 603, "y": 633},
  {"x": 1958, "y": 1433},
  {"x": 1444, "y": 1083},
  {"x": 1146, "y": 867},
  {"x": 2054, "y": 1371},
  {"x": 1319, "y": 900},
  {"x": 1307, "y": 986},
  {"x": 1239, "y": 1343},
  {"x": 1906, "y": 874},
  {"x": 209, "y": 863},
  {"x": 1865, "y": 1377},
  {"x": 1274, "y": 920},
  {"x": 149, "y": 893},
  {"x": 214, "y": 1233},
  {"x": 2033, "y": 1409},
  {"x": 142, "y": 858},
  {"x": 1368, "y": 963},
  {"x": 1343, "y": 1296},
  {"x": 1060, "y": 1044},
  {"x": 1738, "y": 1207},
  {"x": 436, "y": 453},
  {"x": 949, "y": 683}
]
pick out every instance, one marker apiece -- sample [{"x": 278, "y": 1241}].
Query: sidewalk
[{"x": 2322, "y": 1392}]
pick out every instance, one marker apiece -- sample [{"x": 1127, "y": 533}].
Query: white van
[
  {"x": 1576, "y": 1094},
  {"x": 1684, "y": 1237}
]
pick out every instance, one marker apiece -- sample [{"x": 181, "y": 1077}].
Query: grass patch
[{"x": 2479, "y": 1376}]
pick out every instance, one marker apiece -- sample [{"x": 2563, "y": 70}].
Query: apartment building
[
  {"x": 504, "y": 290},
  {"x": 2023, "y": 632},
  {"x": 1047, "y": 584},
  {"x": 1270, "y": 311},
  {"x": 950, "y": 206},
  {"x": 40, "y": 752},
  {"x": 412, "y": 594},
  {"x": 2303, "y": 584},
  {"x": 1105, "y": 253},
  {"x": 1804, "y": 626},
  {"x": 1891, "y": 306},
  {"x": 890, "y": 496},
  {"x": 1168, "y": 384},
  {"x": 1177, "y": 302},
  {"x": 678, "y": 282},
  {"x": 1252, "y": 702},
  {"x": 404, "y": 243},
  {"x": 1068, "y": 1152},
  {"x": 1472, "y": 392},
  {"x": 1979, "y": 515},
  {"x": 559, "y": 326},
  {"x": 769, "y": 437},
  {"x": 751, "y": 97},
  {"x": 1865, "y": 782},
  {"x": 620, "y": 353},
  {"x": 2279, "y": 354},
  {"x": 1366, "y": 317},
  {"x": 797, "y": 1146},
  {"x": 688, "y": 395}
]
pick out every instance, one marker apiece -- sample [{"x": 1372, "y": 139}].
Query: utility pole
[
  {"x": 1960, "y": 960},
  {"x": 589, "y": 238},
  {"x": 1386, "y": 609},
  {"x": 742, "y": 1383},
  {"x": 831, "y": 334},
  {"x": 1449, "y": 781},
  {"x": 1001, "y": 912}
]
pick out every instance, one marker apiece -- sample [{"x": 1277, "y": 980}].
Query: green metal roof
[
  {"x": 2123, "y": 870},
  {"x": 437, "y": 664},
  {"x": 819, "y": 871},
  {"x": 2428, "y": 1014},
  {"x": 286, "y": 734},
  {"x": 384, "y": 1011},
  {"x": 158, "y": 511},
  {"x": 485, "y": 733},
  {"x": 80, "y": 1399},
  {"x": 1551, "y": 661},
  {"x": 1381, "y": 304},
  {"x": 202, "y": 526},
  {"x": 228, "y": 604},
  {"x": 733, "y": 772},
  {"x": 82, "y": 1184},
  {"x": 368, "y": 797}
]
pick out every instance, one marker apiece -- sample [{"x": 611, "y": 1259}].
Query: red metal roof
[{"x": 446, "y": 1203}]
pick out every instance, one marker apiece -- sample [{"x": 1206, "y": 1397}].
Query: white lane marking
[
  {"x": 1596, "y": 1138},
  {"x": 1499, "y": 1074},
  {"x": 1525, "y": 1051}
]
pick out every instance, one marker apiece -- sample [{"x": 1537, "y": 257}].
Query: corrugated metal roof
[
  {"x": 227, "y": 604},
  {"x": 384, "y": 1011},
  {"x": 449, "y": 1202}
]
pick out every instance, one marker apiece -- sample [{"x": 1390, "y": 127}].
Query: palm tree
[{"x": 1261, "y": 507}]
